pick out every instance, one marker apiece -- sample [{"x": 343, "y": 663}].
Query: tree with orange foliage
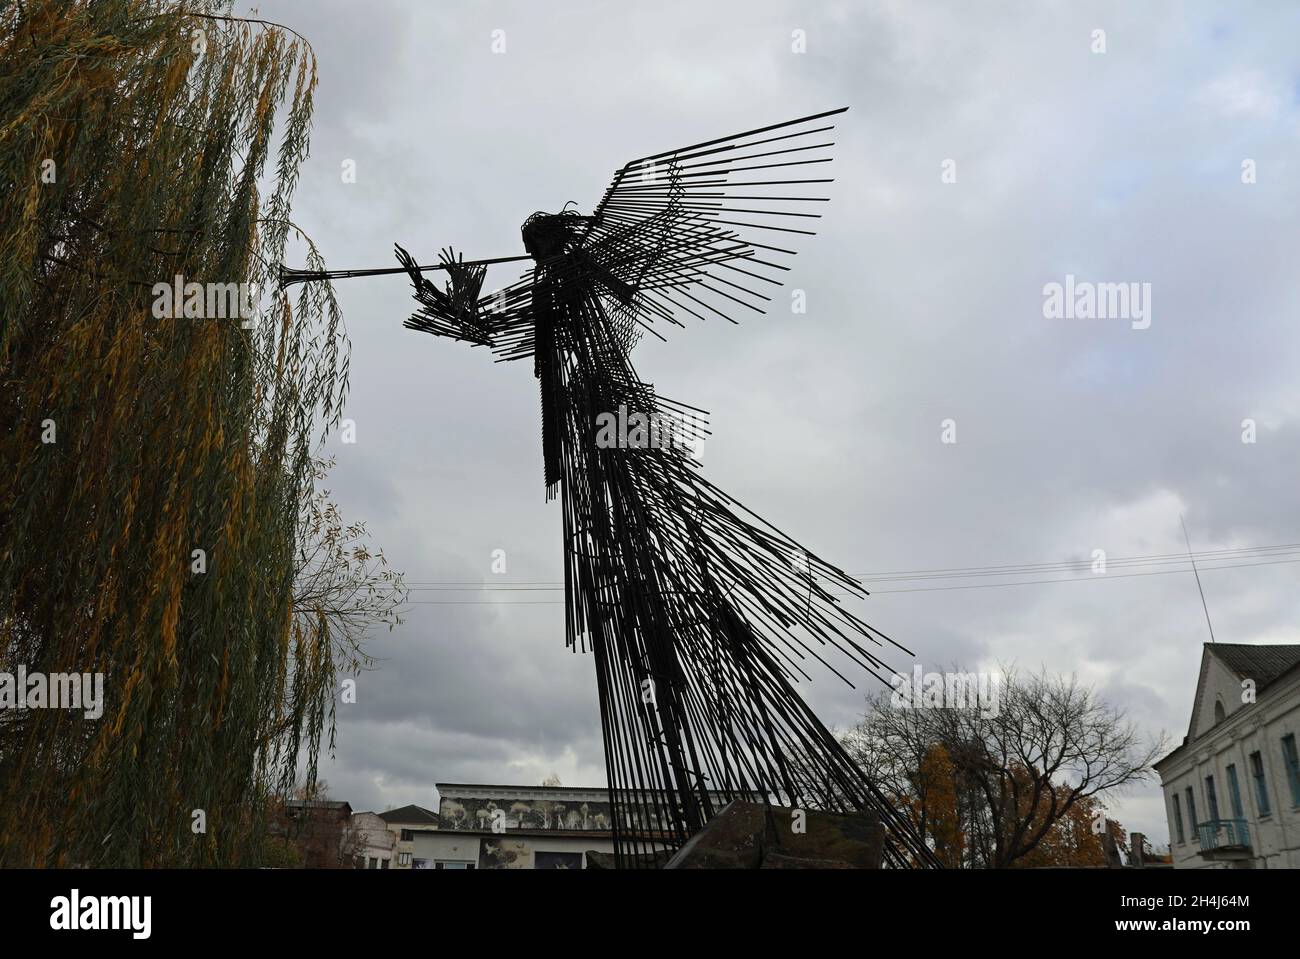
[
  {"x": 1077, "y": 839},
  {"x": 938, "y": 777},
  {"x": 1017, "y": 784}
]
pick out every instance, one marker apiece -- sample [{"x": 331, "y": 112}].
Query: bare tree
[
  {"x": 342, "y": 587},
  {"x": 1047, "y": 744}
]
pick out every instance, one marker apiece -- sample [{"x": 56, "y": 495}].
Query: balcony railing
[{"x": 1223, "y": 833}]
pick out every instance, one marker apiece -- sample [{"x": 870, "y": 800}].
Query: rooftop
[
  {"x": 410, "y": 814},
  {"x": 317, "y": 804},
  {"x": 1264, "y": 664},
  {"x": 460, "y": 787}
]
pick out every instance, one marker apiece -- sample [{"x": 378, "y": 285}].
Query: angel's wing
[{"x": 704, "y": 229}]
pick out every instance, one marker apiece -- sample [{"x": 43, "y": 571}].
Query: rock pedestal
[{"x": 747, "y": 835}]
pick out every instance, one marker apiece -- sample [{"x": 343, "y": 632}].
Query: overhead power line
[
  {"x": 1159, "y": 564},
  {"x": 957, "y": 572}
]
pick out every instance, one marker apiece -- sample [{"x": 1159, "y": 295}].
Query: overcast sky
[{"x": 924, "y": 303}]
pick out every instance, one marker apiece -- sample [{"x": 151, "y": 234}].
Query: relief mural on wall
[
  {"x": 557, "y": 860},
  {"x": 500, "y": 852},
  {"x": 507, "y": 853},
  {"x": 480, "y": 813}
]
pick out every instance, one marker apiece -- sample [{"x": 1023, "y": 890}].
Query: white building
[
  {"x": 500, "y": 827},
  {"x": 1232, "y": 789},
  {"x": 513, "y": 849},
  {"x": 516, "y": 827},
  {"x": 386, "y": 840},
  {"x": 369, "y": 842}
]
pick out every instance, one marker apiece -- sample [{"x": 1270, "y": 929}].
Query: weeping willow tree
[{"x": 156, "y": 496}]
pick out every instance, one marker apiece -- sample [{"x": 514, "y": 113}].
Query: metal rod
[{"x": 289, "y": 276}]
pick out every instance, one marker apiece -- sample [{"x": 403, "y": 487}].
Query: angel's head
[{"x": 551, "y": 234}]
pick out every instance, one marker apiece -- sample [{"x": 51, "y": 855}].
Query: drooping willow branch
[{"x": 160, "y": 474}]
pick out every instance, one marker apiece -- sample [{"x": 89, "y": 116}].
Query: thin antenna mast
[{"x": 1196, "y": 572}]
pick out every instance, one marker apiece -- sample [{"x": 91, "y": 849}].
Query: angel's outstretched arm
[{"x": 455, "y": 311}]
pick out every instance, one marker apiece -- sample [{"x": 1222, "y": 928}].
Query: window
[
  {"x": 1218, "y": 711},
  {"x": 383, "y": 864},
  {"x": 407, "y": 835},
  {"x": 1178, "y": 818},
  {"x": 453, "y": 865},
  {"x": 370, "y": 863},
  {"x": 403, "y": 858},
  {"x": 1211, "y": 799},
  {"x": 1292, "y": 766},
  {"x": 1261, "y": 788},
  {"x": 1234, "y": 792},
  {"x": 1191, "y": 812}
]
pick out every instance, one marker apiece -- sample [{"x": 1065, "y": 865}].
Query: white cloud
[{"x": 1246, "y": 93}]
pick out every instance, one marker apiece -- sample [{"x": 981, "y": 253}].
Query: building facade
[
  {"x": 514, "y": 849},
  {"x": 516, "y": 827},
  {"x": 386, "y": 840},
  {"x": 370, "y": 843},
  {"x": 1232, "y": 789},
  {"x": 481, "y": 826}
]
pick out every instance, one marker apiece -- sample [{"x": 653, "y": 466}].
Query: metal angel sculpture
[{"x": 701, "y": 616}]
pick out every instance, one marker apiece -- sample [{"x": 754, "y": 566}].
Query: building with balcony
[{"x": 1232, "y": 788}]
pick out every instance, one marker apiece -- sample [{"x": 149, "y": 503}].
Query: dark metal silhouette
[{"x": 701, "y": 616}]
